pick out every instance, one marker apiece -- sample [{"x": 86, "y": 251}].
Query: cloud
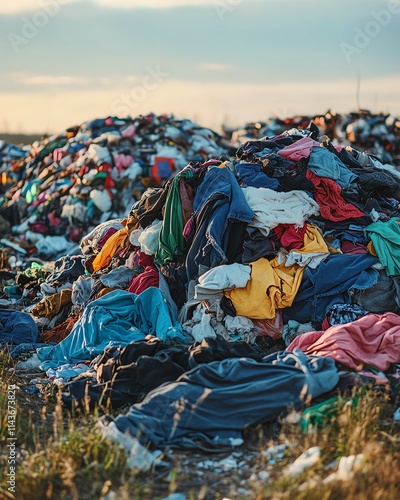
[
  {"x": 279, "y": 59},
  {"x": 152, "y": 4},
  {"x": 210, "y": 66},
  {"x": 29, "y": 5},
  {"x": 48, "y": 80},
  {"x": 13, "y": 6}
]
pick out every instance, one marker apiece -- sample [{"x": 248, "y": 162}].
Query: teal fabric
[
  {"x": 325, "y": 164},
  {"x": 115, "y": 319},
  {"x": 386, "y": 239},
  {"x": 172, "y": 242}
]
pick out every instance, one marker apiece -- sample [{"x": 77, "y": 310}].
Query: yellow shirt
[{"x": 271, "y": 286}]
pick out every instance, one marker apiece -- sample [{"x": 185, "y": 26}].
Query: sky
[{"x": 215, "y": 61}]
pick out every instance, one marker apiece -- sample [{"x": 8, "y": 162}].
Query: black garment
[
  {"x": 382, "y": 182},
  {"x": 256, "y": 245},
  {"x": 249, "y": 148},
  {"x": 150, "y": 208},
  {"x": 175, "y": 275},
  {"x": 126, "y": 375},
  {"x": 67, "y": 268}
]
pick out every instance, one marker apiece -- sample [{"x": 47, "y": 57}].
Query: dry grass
[{"x": 64, "y": 457}]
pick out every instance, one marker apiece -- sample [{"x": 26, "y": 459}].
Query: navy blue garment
[
  {"x": 17, "y": 327},
  {"x": 67, "y": 268},
  {"x": 330, "y": 283},
  {"x": 250, "y": 174},
  {"x": 218, "y": 204},
  {"x": 28, "y": 347},
  {"x": 250, "y": 148},
  {"x": 212, "y": 403}
]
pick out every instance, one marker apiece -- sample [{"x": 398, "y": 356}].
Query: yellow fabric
[
  {"x": 271, "y": 286},
  {"x": 116, "y": 241},
  {"x": 313, "y": 241}
]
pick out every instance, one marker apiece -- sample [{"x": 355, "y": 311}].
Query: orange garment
[
  {"x": 113, "y": 244},
  {"x": 371, "y": 249}
]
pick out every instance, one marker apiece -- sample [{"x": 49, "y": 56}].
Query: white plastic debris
[
  {"x": 396, "y": 415},
  {"x": 346, "y": 468},
  {"x": 139, "y": 457},
  {"x": 304, "y": 461}
]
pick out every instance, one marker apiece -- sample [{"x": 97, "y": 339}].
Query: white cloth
[
  {"x": 53, "y": 245},
  {"x": 101, "y": 200},
  {"x": 149, "y": 238},
  {"x": 311, "y": 259},
  {"x": 225, "y": 277},
  {"x": 271, "y": 208}
]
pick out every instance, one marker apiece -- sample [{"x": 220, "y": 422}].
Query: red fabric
[
  {"x": 163, "y": 163},
  {"x": 289, "y": 236},
  {"x": 371, "y": 340},
  {"x": 328, "y": 196},
  {"x": 140, "y": 282},
  {"x": 144, "y": 260},
  {"x": 350, "y": 247},
  {"x": 325, "y": 324}
]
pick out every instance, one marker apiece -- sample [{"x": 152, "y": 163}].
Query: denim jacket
[{"x": 219, "y": 202}]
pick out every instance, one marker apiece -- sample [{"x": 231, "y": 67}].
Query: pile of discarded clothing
[
  {"x": 376, "y": 133},
  {"x": 63, "y": 186},
  {"x": 236, "y": 290}
]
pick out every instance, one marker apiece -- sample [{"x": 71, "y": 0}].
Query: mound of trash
[
  {"x": 377, "y": 133},
  {"x": 210, "y": 291}
]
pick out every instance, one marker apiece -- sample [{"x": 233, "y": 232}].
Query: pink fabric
[
  {"x": 300, "y": 149},
  {"x": 108, "y": 121},
  {"x": 128, "y": 132},
  {"x": 332, "y": 205},
  {"x": 122, "y": 161},
  {"x": 58, "y": 154},
  {"x": 371, "y": 340}
]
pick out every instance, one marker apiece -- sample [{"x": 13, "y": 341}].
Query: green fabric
[
  {"x": 386, "y": 239},
  {"x": 36, "y": 271},
  {"x": 172, "y": 242},
  {"x": 316, "y": 415},
  {"x": 50, "y": 147}
]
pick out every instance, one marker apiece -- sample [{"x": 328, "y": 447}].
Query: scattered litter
[
  {"x": 346, "y": 468},
  {"x": 275, "y": 453},
  {"x": 306, "y": 460}
]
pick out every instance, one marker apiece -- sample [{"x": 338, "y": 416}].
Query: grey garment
[
  {"x": 186, "y": 312},
  {"x": 325, "y": 164},
  {"x": 48, "y": 289},
  {"x": 211, "y": 404},
  {"x": 118, "y": 277},
  {"x": 163, "y": 286},
  {"x": 81, "y": 289},
  {"x": 380, "y": 298}
]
